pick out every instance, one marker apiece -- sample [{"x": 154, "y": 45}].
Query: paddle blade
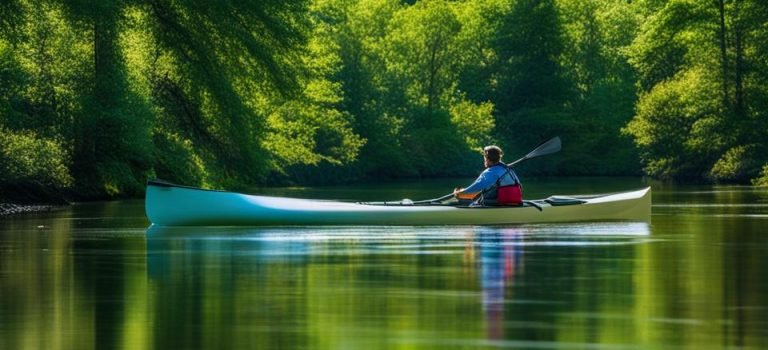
[{"x": 548, "y": 147}]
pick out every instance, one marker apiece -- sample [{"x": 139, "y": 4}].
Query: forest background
[{"x": 96, "y": 97}]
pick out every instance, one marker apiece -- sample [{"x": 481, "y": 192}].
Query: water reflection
[
  {"x": 502, "y": 261},
  {"x": 683, "y": 282},
  {"x": 360, "y": 286},
  {"x": 501, "y": 257}
]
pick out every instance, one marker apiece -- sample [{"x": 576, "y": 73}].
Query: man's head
[{"x": 492, "y": 155}]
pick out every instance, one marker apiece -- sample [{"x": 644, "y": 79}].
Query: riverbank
[
  {"x": 8, "y": 209},
  {"x": 29, "y": 197}
]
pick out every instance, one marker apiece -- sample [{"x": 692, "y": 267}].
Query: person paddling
[{"x": 497, "y": 184}]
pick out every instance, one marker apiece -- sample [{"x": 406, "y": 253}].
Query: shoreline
[{"x": 12, "y": 209}]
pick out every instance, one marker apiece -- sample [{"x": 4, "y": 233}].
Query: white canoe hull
[{"x": 170, "y": 205}]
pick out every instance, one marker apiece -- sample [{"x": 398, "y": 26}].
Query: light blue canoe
[{"x": 174, "y": 205}]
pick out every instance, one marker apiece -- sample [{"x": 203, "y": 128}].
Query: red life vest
[{"x": 511, "y": 194}]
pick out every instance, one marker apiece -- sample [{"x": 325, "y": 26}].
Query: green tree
[
  {"x": 32, "y": 167},
  {"x": 531, "y": 89},
  {"x": 217, "y": 70},
  {"x": 480, "y": 21},
  {"x": 422, "y": 59},
  {"x": 676, "y": 126},
  {"x": 211, "y": 66},
  {"x": 11, "y": 18},
  {"x": 111, "y": 143},
  {"x": 707, "y": 53},
  {"x": 400, "y": 70},
  {"x": 311, "y": 131},
  {"x": 361, "y": 27},
  {"x": 529, "y": 44},
  {"x": 597, "y": 33},
  {"x": 134, "y": 89}
]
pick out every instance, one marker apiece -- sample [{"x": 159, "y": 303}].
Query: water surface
[{"x": 93, "y": 276}]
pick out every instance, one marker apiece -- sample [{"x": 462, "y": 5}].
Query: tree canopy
[{"x": 98, "y": 97}]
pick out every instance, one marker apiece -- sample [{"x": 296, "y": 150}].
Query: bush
[
  {"x": 738, "y": 164},
  {"x": 177, "y": 161},
  {"x": 474, "y": 122},
  {"x": 27, "y": 158},
  {"x": 762, "y": 179},
  {"x": 679, "y": 126}
]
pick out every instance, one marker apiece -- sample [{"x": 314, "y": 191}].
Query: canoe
[{"x": 173, "y": 205}]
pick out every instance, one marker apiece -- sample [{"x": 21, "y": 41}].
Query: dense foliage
[
  {"x": 97, "y": 97},
  {"x": 702, "y": 76}
]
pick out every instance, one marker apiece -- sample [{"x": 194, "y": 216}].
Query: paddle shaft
[{"x": 548, "y": 147}]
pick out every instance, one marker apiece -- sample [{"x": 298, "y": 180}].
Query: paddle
[{"x": 550, "y": 146}]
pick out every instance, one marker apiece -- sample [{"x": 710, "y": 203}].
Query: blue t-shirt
[{"x": 489, "y": 176}]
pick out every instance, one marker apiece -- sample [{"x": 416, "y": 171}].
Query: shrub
[
  {"x": 762, "y": 179},
  {"x": 25, "y": 157},
  {"x": 738, "y": 164}
]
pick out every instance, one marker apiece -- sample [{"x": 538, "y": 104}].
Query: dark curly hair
[{"x": 493, "y": 153}]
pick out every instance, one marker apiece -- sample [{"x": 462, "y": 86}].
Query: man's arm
[
  {"x": 459, "y": 193},
  {"x": 483, "y": 181}
]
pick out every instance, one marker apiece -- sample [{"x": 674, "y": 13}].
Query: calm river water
[{"x": 93, "y": 276}]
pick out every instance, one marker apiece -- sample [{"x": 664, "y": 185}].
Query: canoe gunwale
[{"x": 166, "y": 184}]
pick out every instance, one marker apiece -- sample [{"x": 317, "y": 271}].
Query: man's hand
[{"x": 459, "y": 195}]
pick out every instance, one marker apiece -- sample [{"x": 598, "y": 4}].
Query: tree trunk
[
  {"x": 93, "y": 127},
  {"x": 738, "y": 33},
  {"x": 723, "y": 53}
]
